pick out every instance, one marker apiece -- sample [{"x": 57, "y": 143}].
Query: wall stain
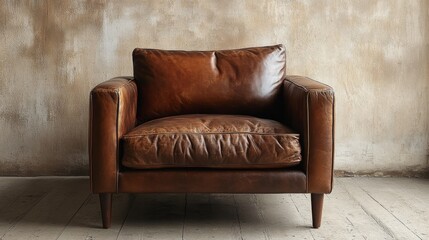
[
  {"x": 13, "y": 117},
  {"x": 376, "y": 56}
]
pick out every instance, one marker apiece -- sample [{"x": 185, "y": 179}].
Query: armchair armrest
[
  {"x": 310, "y": 110},
  {"x": 113, "y": 106}
]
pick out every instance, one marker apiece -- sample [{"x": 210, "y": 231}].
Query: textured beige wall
[{"x": 374, "y": 53}]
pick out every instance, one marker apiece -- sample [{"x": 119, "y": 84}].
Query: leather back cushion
[{"x": 242, "y": 81}]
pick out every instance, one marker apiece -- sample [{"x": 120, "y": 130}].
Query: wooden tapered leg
[
  {"x": 106, "y": 208},
  {"x": 316, "y": 208}
]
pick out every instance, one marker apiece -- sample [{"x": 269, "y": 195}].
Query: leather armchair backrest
[{"x": 242, "y": 81}]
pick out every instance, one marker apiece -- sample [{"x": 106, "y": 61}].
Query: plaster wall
[{"x": 374, "y": 53}]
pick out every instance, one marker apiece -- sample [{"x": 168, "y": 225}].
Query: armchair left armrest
[{"x": 113, "y": 106}]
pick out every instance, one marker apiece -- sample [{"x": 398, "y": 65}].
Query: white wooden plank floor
[{"x": 358, "y": 208}]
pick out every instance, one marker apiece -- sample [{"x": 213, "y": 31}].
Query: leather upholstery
[
  {"x": 212, "y": 181},
  {"x": 113, "y": 106},
  {"x": 247, "y": 82},
  {"x": 214, "y": 141},
  {"x": 309, "y": 109},
  {"x": 243, "y": 81}
]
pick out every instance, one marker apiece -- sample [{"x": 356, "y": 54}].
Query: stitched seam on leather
[
  {"x": 104, "y": 89},
  {"x": 100, "y": 89},
  {"x": 297, "y": 85},
  {"x": 294, "y": 162},
  {"x": 91, "y": 152},
  {"x": 117, "y": 132},
  {"x": 333, "y": 142},
  {"x": 227, "y": 164},
  {"x": 309, "y": 89},
  {"x": 285, "y": 65},
  {"x": 129, "y": 82},
  {"x": 289, "y": 164},
  {"x": 230, "y": 133},
  {"x": 307, "y": 96},
  {"x": 117, "y": 140}
]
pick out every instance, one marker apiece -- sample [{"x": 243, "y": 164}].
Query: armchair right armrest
[{"x": 310, "y": 110}]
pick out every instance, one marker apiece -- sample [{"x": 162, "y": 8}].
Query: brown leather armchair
[{"x": 226, "y": 121}]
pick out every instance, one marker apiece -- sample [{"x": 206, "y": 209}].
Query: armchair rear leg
[
  {"x": 106, "y": 208},
  {"x": 316, "y": 208}
]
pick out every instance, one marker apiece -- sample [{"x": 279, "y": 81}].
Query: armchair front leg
[
  {"x": 316, "y": 208},
  {"x": 106, "y": 208}
]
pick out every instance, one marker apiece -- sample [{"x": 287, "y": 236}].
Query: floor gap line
[
  {"x": 133, "y": 197},
  {"x": 184, "y": 216},
  {"x": 74, "y": 214},
  {"x": 390, "y": 213},
  {"x": 25, "y": 214},
  {"x": 238, "y": 217}
]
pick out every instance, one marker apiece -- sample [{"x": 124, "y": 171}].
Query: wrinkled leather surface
[
  {"x": 307, "y": 106},
  {"x": 113, "y": 106},
  {"x": 215, "y": 141},
  {"x": 309, "y": 109},
  {"x": 243, "y": 81},
  {"x": 212, "y": 181}
]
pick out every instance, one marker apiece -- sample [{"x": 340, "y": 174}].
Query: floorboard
[
  {"x": 358, "y": 208},
  {"x": 153, "y": 216},
  {"x": 86, "y": 223},
  {"x": 48, "y": 218},
  {"x": 400, "y": 206},
  {"x": 211, "y": 216},
  {"x": 18, "y": 196}
]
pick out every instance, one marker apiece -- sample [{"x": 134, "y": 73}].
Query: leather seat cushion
[{"x": 212, "y": 141}]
